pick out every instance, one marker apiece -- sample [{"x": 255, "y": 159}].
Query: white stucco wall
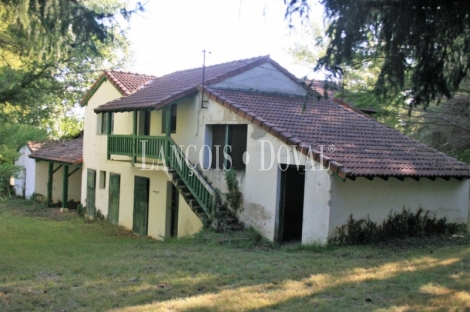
[
  {"x": 378, "y": 197},
  {"x": 25, "y": 181}
]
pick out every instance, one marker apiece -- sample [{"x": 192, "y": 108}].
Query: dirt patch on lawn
[{"x": 38, "y": 210}]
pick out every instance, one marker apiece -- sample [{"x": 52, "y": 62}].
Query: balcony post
[
  {"x": 134, "y": 134},
  {"x": 109, "y": 133},
  {"x": 167, "y": 131}
]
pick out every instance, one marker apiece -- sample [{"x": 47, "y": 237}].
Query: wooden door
[
  {"x": 90, "y": 193},
  {"x": 141, "y": 206},
  {"x": 114, "y": 193}
]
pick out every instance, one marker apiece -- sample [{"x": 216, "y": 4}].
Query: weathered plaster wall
[
  {"x": 378, "y": 197},
  {"x": 26, "y": 177}
]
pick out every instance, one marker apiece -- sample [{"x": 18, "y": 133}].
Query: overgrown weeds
[
  {"x": 233, "y": 195},
  {"x": 397, "y": 226}
]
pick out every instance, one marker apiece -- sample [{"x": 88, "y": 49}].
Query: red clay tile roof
[
  {"x": 69, "y": 152},
  {"x": 362, "y": 146},
  {"x": 167, "y": 89},
  {"x": 126, "y": 82}
]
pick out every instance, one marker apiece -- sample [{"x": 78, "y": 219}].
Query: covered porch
[{"x": 59, "y": 167}]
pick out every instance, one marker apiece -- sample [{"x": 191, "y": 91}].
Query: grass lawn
[{"x": 59, "y": 262}]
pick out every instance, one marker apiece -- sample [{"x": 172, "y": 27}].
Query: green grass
[{"x": 58, "y": 262}]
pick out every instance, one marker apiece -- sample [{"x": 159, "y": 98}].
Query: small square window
[{"x": 102, "y": 181}]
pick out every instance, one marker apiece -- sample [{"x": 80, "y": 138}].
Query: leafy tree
[
  {"x": 424, "y": 44},
  {"x": 356, "y": 84},
  {"x": 50, "y": 51},
  {"x": 447, "y": 126}
]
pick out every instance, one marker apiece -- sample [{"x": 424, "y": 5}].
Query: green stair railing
[{"x": 193, "y": 180}]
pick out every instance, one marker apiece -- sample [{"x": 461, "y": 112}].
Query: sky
[{"x": 171, "y": 35}]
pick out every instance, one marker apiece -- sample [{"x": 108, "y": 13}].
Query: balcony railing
[{"x": 134, "y": 145}]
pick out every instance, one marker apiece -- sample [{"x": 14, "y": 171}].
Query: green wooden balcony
[{"x": 136, "y": 145}]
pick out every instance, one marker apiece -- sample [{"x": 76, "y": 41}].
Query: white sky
[{"x": 171, "y": 35}]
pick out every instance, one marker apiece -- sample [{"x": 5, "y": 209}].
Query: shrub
[{"x": 397, "y": 225}]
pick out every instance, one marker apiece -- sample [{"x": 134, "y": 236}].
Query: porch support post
[
  {"x": 49, "y": 183},
  {"x": 167, "y": 112},
  {"x": 134, "y": 140},
  {"x": 65, "y": 189}
]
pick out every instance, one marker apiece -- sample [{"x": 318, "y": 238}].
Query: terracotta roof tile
[
  {"x": 126, "y": 82},
  {"x": 171, "y": 87},
  {"x": 69, "y": 152},
  {"x": 362, "y": 146}
]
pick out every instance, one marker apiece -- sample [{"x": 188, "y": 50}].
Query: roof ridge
[
  {"x": 247, "y": 61},
  {"x": 255, "y": 91},
  {"x": 129, "y": 73}
]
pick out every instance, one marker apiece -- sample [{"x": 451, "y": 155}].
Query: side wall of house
[
  {"x": 377, "y": 198},
  {"x": 42, "y": 176}
]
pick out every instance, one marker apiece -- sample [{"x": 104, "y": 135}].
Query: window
[
  {"x": 102, "y": 181},
  {"x": 173, "y": 119},
  {"x": 112, "y": 123},
  {"x": 102, "y": 126},
  {"x": 144, "y": 123},
  {"x": 236, "y": 135}
]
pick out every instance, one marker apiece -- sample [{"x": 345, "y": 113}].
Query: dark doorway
[
  {"x": 141, "y": 206},
  {"x": 291, "y": 206},
  {"x": 174, "y": 212}
]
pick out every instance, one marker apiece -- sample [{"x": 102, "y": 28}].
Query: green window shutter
[
  {"x": 90, "y": 195},
  {"x": 141, "y": 205},
  {"x": 114, "y": 194}
]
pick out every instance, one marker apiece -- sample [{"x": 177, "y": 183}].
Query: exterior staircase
[{"x": 198, "y": 193}]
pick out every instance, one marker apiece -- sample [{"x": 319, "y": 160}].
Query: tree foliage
[
  {"x": 424, "y": 44},
  {"x": 447, "y": 126},
  {"x": 50, "y": 50}
]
